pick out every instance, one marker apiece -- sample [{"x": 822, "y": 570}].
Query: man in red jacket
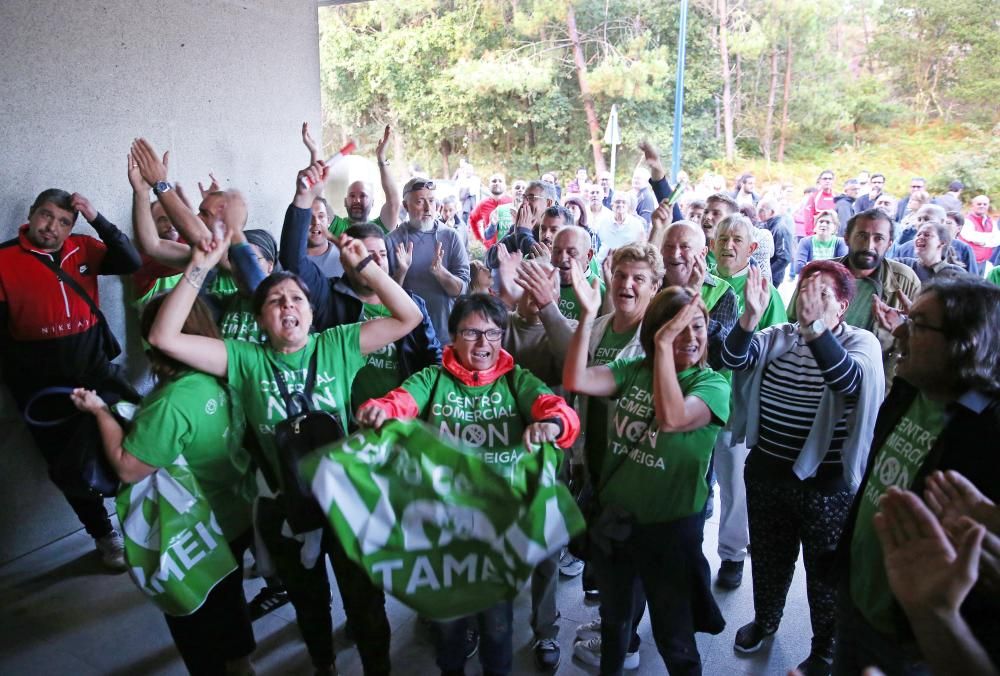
[
  {"x": 50, "y": 335},
  {"x": 480, "y": 216},
  {"x": 821, "y": 200},
  {"x": 978, "y": 230}
]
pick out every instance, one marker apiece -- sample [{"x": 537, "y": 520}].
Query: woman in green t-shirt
[
  {"x": 667, "y": 410},
  {"x": 486, "y": 405},
  {"x": 824, "y": 245},
  {"x": 283, "y": 312},
  {"x": 204, "y": 425}
]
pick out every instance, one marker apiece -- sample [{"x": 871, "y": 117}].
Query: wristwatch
[
  {"x": 814, "y": 329},
  {"x": 161, "y": 187}
]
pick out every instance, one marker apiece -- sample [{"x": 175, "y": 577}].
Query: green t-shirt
[
  {"x": 250, "y": 375},
  {"x": 823, "y": 251},
  {"x": 340, "y": 224},
  {"x": 487, "y": 421},
  {"x": 993, "y": 276},
  {"x": 711, "y": 293},
  {"x": 859, "y": 312},
  {"x": 380, "y": 373},
  {"x": 711, "y": 263},
  {"x": 568, "y": 305},
  {"x": 223, "y": 285},
  {"x": 659, "y": 476},
  {"x": 607, "y": 351},
  {"x": 161, "y": 285},
  {"x": 239, "y": 322},
  {"x": 775, "y": 312},
  {"x": 194, "y": 416},
  {"x": 895, "y": 464},
  {"x": 504, "y": 215}
]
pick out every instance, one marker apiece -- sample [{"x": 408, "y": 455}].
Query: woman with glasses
[
  {"x": 812, "y": 391},
  {"x": 823, "y": 245},
  {"x": 485, "y": 404}
]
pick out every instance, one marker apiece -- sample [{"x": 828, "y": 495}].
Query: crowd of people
[{"x": 640, "y": 329}]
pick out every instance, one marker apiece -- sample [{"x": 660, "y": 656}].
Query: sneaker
[
  {"x": 730, "y": 574},
  {"x": 267, "y": 600},
  {"x": 569, "y": 565},
  {"x": 750, "y": 638},
  {"x": 591, "y": 595},
  {"x": 589, "y": 652},
  {"x": 112, "y": 550},
  {"x": 546, "y": 654},
  {"x": 816, "y": 665},
  {"x": 471, "y": 642},
  {"x": 590, "y": 630}
]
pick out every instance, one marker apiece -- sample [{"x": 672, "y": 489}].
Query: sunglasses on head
[{"x": 421, "y": 185}]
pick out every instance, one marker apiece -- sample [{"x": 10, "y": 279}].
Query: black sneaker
[
  {"x": 750, "y": 638},
  {"x": 816, "y": 665},
  {"x": 546, "y": 654},
  {"x": 730, "y": 574},
  {"x": 471, "y": 642},
  {"x": 267, "y": 600}
]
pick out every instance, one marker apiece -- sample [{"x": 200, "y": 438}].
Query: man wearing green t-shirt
[
  {"x": 572, "y": 246},
  {"x": 869, "y": 236},
  {"x": 358, "y": 201},
  {"x": 734, "y": 244},
  {"x": 942, "y": 414}
]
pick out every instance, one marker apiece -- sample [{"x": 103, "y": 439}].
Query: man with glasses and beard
[
  {"x": 430, "y": 260},
  {"x": 881, "y": 283}
]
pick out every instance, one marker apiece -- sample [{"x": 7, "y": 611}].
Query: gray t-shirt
[
  {"x": 329, "y": 262},
  {"x": 419, "y": 278}
]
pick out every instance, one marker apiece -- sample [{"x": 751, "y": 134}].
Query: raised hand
[
  {"x": 951, "y": 496},
  {"x": 208, "y": 255},
  {"x": 541, "y": 252},
  {"x": 135, "y": 179},
  {"x": 756, "y": 296},
  {"x": 213, "y": 186},
  {"x": 698, "y": 270},
  {"x": 152, "y": 168},
  {"x": 588, "y": 296},
  {"x": 437, "y": 265},
  {"x": 352, "y": 251},
  {"x": 652, "y": 156},
  {"x": 926, "y": 572},
  {"x": 404, "y": 257},
  {"x": 666, "y": 334},
  {"x": 888, "y": 317},
  {"x": 310, "y": 144},
  {"x": 235, "y": 216},
  {"x": 382, "y": 145},
  {"x": 83, "y": 205},
  {"x": 538, "y": 280},
  {"x": 809, "y": 306},
  {"x": 87, "y": 401},
  {"x": 315, "y": 175},
  {"x": 606, "y": 271}
]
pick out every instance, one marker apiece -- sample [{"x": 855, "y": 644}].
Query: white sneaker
[
  {"x": 589, "y": 651},
  {"x": 590, "y": 630},
  {"x": 112, "y": 550},
  {"x": 569, "y": 565}
]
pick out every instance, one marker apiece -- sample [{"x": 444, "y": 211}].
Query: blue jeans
[{"x": 496, "y": 636}]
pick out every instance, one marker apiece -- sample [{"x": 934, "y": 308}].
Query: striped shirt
[{"x": 791, "y": 388}]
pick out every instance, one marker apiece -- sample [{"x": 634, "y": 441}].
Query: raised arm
[
  {"x": 120, "y": 258},
  {"x": 596, "y": 381},
  {"x": 453, "y": 276},
  {"x": 293, "y": 252},
  {"x": 674, "y": 411},
  {"x": 405, "y": 315},
  {"x": 739, "y": 352},
  {"x": 658, "y": 177},
  {"x": 154, "y": 170},
  {"x": 393, "y": 201},
  {"x": 204, "y": 354},
  {"x": 148, "y": 241}
]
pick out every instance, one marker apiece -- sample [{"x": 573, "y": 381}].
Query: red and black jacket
[{"x": 48, "y": 333}]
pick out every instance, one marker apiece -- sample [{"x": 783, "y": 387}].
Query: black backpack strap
[
  {"x": 299, "y": 402},
  {"x": 113, "y": 349}
]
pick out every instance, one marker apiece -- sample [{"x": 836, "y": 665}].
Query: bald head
[
  {"x": 683, "y": 245},
  {"x": 358, "y": 201},
  {"x": 571, "y": 246}
]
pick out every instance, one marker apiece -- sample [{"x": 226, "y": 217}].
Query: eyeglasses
[
  {"x": 420, "y": 185},
  {"x": 534, "y": 198},
  {"x": 916, "y": 187},
  {"x": 912, "y": 323},
  {"x": 473, "y": 335}
]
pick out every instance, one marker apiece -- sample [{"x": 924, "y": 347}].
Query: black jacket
[
  {"x": 521, "y": 239},
  {"x": 335, "y": 303},
  {"x": 845, "y": 210}
]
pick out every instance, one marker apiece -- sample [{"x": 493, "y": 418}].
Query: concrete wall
[{"x": 223, "y": 85}]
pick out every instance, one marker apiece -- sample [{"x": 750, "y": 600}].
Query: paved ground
[{"x": 62, "y": 614}]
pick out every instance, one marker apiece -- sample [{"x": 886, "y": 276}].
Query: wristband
[{"x": 364, "y": 262}]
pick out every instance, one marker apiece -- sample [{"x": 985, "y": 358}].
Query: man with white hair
[{"x": 430, "y": 259}]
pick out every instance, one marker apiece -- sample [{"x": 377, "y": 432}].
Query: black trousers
[
  {"x": 309, "y": 592},
  {"x": 221, "y": 629}
]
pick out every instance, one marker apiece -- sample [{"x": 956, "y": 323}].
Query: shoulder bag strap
[{"x": 300, "y": 401}]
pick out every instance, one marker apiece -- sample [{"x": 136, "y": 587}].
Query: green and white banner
[
  {"x": 434, "y": 525},
  {"x": 173, "y": 544}
]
